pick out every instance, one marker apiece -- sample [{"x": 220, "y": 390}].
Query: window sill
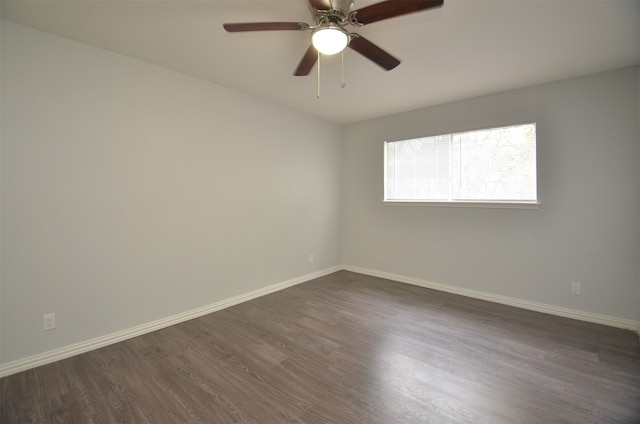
[{"x": 445, "y": 204}]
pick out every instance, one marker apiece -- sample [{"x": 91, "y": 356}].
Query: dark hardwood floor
[{"x": 346, "y": 348}]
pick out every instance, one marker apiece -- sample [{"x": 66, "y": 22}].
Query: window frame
[{"x": 498, "y": 204}]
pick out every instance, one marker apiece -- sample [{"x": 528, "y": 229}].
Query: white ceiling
[{"x": 465, "y": 49}]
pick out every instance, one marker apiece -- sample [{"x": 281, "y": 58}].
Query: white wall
[
  {"x": 586, "y": 229},
  {"x": 638, "y": 188},
  {"x": 131, "y": 193}
]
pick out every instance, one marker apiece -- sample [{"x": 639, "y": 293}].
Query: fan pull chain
[
  {"x": 344, "y": 84},
  {"x": 318, "y": 94}
]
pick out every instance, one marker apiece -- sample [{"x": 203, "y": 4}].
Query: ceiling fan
[{"x": 329, "y": 34}]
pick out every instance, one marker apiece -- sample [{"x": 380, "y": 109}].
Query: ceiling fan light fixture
[{"x": 329, "y": 39}]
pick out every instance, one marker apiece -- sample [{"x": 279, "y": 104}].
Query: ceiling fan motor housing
[
  {"x": 337, "y": 14},
  {"x": 343, "y": 6}
]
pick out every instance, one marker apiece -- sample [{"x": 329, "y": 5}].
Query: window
[{"x": 495, "y": 165}]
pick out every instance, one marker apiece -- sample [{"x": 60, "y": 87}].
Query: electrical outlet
[
  {"x": 575, "y": 288},
  {"x": 311, "y": 258},
  {"x": 48, "y": 321}
]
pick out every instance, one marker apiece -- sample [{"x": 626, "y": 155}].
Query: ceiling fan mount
[{"x": 329, "y": 34}]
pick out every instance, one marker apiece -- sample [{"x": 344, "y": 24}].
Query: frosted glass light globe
[{"x": 330, "y": 39}]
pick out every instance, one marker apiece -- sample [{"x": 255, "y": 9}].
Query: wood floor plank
[{"x": 346, "y": 348}]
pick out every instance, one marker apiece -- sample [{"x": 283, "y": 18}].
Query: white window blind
[{"x": 489, "y": 165}]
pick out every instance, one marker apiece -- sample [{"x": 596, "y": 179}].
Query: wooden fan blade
[
  {"x": 266, "y": 26},
  {"x": 392, "y": 8},
  {"x": 320, "y": 4},
  {"x": 306, "y": 64},
  {"x": 373, "y": 52}
]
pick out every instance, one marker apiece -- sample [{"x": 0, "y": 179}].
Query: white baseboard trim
[
  {"x": 98, "y": 342},
  {"x": 86, "y": 346},
  {"x": 511, "y": 301}
]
